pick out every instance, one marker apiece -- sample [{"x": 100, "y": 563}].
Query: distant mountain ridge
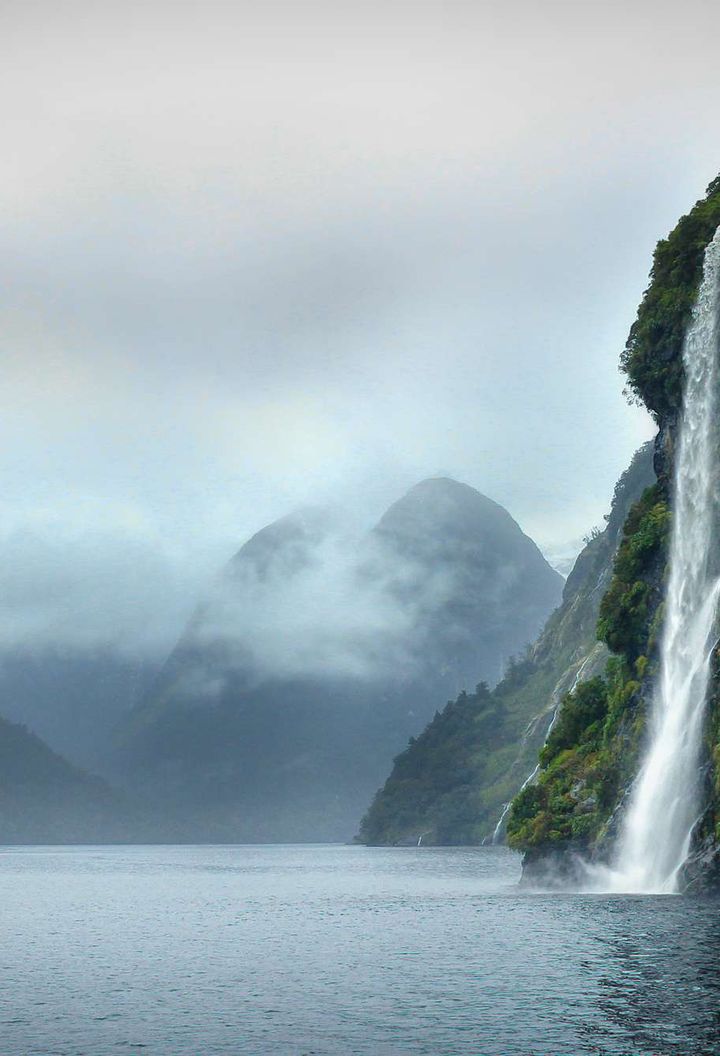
[
  {"x": 314, "y": 659},
  {"x": 72, "y": 699},
  {"x": 44, "y": 799}
]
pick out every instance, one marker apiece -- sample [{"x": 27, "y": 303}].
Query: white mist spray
[{"x": 655, "y": 838}]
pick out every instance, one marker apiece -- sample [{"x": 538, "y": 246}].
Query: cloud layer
[{"x": 256, "y": 256}]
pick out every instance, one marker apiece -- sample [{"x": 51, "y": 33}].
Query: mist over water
[{"x": 657, "y": 828}]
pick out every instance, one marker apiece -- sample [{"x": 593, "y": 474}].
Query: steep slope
[
  {"x": 452, "y": 782},
  {"x": 315, "y": 658},
  {"x": 593, "y": 753},
  {"x": 44, "y": 799}
]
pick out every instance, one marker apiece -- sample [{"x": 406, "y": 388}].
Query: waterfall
[{"x": 657, "y": 829}]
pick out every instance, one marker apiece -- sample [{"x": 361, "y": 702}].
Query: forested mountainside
[
  {"x": 592, "y": 754},
  {"x": 314, "y": 659},
  {"x": 452, "y": 783},
  {"x": 44, "y": 799}
]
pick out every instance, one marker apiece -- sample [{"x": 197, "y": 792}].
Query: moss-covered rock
[
  {"x": 636, "y": 588},
  {"x": 652, "y": 359}
]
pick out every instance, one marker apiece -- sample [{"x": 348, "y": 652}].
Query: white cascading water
[{"x": 657, "y": 829}]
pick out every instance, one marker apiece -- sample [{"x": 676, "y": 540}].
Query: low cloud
[
  {"x": 342, "y": 614},
  {"x": 92, "y": 591},
  {"x": 257, "y": 256}
]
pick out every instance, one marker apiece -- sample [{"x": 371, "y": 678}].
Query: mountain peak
[
  {"x": 284, "y": 544},
  {"x": 447, "y": 507}
]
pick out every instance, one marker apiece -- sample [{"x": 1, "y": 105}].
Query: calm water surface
[{"x": 196, "y": 951}]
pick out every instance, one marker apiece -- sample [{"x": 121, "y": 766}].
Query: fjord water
[
  {"x": 657, "y": 829},
  {"x": 336, "y": 951}
]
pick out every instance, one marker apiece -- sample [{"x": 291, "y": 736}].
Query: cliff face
[
  {"x": 314, "y": 660},
  {"x": 452, "y": 783},
  {"x": 592, "y": 754}
]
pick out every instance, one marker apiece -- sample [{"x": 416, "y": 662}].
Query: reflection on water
[
  {"x": 219, "y": 951},
  {"x": 661, "y": 985}
]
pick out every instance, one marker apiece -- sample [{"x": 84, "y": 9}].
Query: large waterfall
[{"x": 657, "y": 829}]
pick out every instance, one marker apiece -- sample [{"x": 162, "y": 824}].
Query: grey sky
[{"x": 260, "y": 255}]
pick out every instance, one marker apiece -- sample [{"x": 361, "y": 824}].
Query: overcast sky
[{"x": 260, "y": 255}]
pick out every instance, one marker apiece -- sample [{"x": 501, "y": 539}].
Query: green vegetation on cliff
[
  {"x": 652, "y": 359},
  {"x": 633, "y": 594},
  {"x": 591, "y": 757}
]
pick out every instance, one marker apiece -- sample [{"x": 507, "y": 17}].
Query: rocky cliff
[{"x": 592, "y": 754}]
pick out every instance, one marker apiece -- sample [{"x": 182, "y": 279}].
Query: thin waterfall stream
[
  {"x": 498, "y": 830},
  {"x": 657, "y": 829}
]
